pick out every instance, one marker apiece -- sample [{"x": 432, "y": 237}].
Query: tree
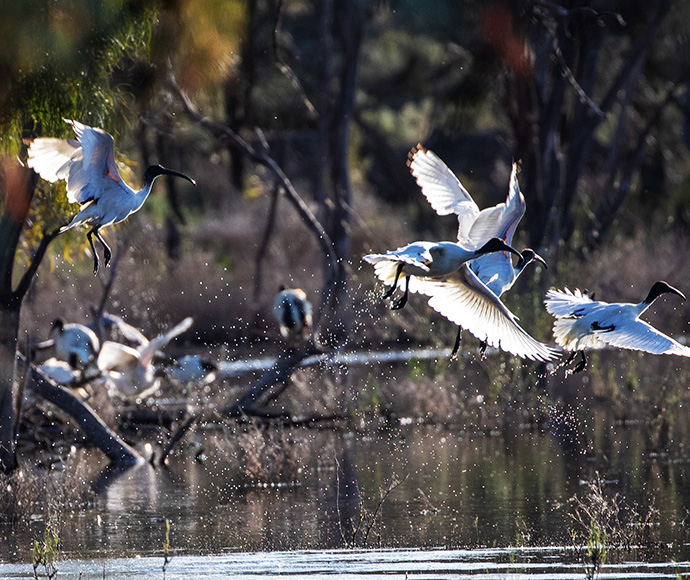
[{"x": 84, "y": 43}]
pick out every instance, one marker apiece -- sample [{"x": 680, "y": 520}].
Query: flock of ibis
[{"x": 463, "y": 280}]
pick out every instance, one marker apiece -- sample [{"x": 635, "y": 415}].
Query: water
[
  {"x": 375, "y": 497},
  {"x": 284, "y": 503},
  {"x": 480, "y": 564}
]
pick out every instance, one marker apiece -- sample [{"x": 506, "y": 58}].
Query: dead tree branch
[
  {"x": 259, "y": 155},
  {"x": 109, "y": 442}
]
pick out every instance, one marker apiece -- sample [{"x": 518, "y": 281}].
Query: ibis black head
[
  {"x": 660, "y": 288},
  {"x": 527, "y": 255},
  {"x": 154, "y": 171},
  {"x": 497, "y": 245},
  {"x": 58, "y": 324}
]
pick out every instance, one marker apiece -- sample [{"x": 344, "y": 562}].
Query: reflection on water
[{"x": 306, "y": 489}]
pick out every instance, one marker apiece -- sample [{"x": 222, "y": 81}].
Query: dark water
[{"x": 498, "y": 496}]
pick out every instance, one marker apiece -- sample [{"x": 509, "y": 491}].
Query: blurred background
[{"x": 590, "y": 98}]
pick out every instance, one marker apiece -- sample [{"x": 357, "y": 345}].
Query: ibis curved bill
[
  {"x": 582, "y": 323},
  {"x": 93, "y": 181},
  {"x": 293, "y": 312},
  {"x": 425, "y": 260}
]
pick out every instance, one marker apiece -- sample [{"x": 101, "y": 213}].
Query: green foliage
[
  {"x": 596, "y": 549},
  {"x": 45, "y": 553},
  {"x": 166, "y": 547},
  {"x": 64, "y": 72}
]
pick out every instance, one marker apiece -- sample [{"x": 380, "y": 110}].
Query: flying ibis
[
  {"x": 583, "y": 323},
  {"x": 93, "y": 181}
]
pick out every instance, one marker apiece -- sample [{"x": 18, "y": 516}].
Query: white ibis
[
  {"x": 425, "y": 260},
  {"x": 93, "y": 181},
  {"x": 293, "y": 312},
  {"x": 76, "y": 344},
  {"x": 582, "y": 323},
  {"x": 465, "y": 300},
  {"x": 446, "y": 195},
  {"x": 131, "y": 369},
  {"x": 191, "y": 368},
  {"x": 59, "y": 371}
]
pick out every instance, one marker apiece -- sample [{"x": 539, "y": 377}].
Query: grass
[{"x": 605, "y": 522}]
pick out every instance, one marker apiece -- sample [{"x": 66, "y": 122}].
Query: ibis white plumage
[
  {"x": 582, "y": 323},
  {"x": 447, "y": 195},
  {"x": 131, "y": 369},
  {"x": 93, "y": 181},
  {"x": 293, "y": 312},
  {"x": 465, "y": 300},
  {"x": 74, "y": 343},
  {"x": 425, "y": 260}
]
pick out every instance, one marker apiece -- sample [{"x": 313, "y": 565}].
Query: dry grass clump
[
  {"x": 260, "y": 456},
  {"x": 53, "y": 491}
]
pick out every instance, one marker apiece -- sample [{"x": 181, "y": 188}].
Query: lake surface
[{"x": 248, "y": 502}]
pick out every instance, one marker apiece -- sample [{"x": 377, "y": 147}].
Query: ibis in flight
[
  {"x": 441, "y": 271},
  {"x": 93, "y": 181},
  {"x": 293, "y": 312},
  {"x": 447, "y": 195},
  {"x": 425, "y": 260},
  {"x": 131, "y": 370},
  {"x": 583, "y": 323}
]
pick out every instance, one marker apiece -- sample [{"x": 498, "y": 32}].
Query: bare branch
[
  {"x": 262, "y": 157},
  {"x": 285, "y": 69},
  {"x": 27, "y": 277}
]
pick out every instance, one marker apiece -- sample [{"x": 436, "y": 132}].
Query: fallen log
[{"x": 100, "y": 435}]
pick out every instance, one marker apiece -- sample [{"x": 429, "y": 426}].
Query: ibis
[
  {"x": 293, "y": 312},
  {"x": 75, "y": 344},
  {"x": 425, "y": 260},
  {"x": 447, "y": 195},
  {"x": 93, "y": 181},
  {"x": 583, "y": 323},
  {"x": 131, "y": 369},
  {"x": 191, "y": 368}
]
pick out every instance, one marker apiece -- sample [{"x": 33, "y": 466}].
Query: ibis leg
[
  {"x": 89, "y": 235},
  {"x": 107, "y": 254},
  {"x": 582, "y": 365},
  {"x": 400, "y": 302},
  {"x": 578, "y": 367},
  {"x": 456, "y": 345},
  {"x": 390, "y": 291},
  {"x": 482, "y": 350}
]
